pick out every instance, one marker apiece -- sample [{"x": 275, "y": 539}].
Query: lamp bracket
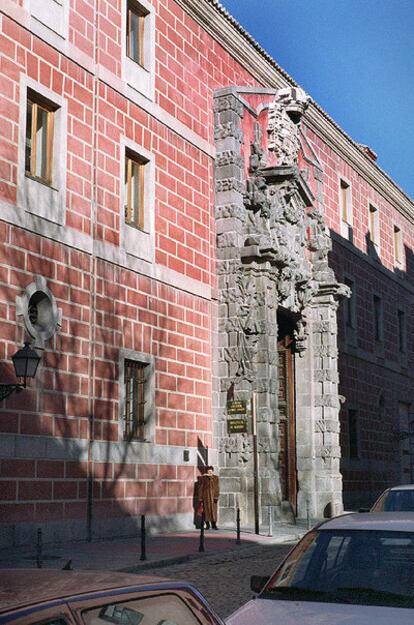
[{"x": 8, "y": 389}]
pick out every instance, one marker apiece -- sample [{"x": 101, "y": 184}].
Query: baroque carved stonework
[
  {"x": 228, "y": 184},
  {"x": 240, "y": 445},
  {"x": 230, "y": 210},
  {"x": 285, "y": 113},
  {"x": 228, "y": 103},
  {"x": 228, "y": 157},
  {"x": 274, "y": 278}
]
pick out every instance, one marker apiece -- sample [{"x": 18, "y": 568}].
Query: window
[
  {"x": 135, "y": 39},
  {"x": 136, "y": 201},
  {"x": 348, "y": 308},
  {"x": 41, "y": 316},
  {"x": 138, "y": 45},
  {"x": 353, "y": 433},
  {"x": 351, "y": 566},
  {"x": 136, "y": 396},
  {"x": 346, "y": 209},
  {"x": 381, "y": 407},
  {"x": 398, "y": 251},
  {"x": 378, "y": 324},
  {"x": 41, "y": 174},
  {"x": 403, "y": 431},
  {"x": 39, "y": 140},
  {"x": 402, "y": 332},
  {"x": 134, "y": 418},
  {"x": 374, "y": 225},
  {"x": 134, "y": 191},
  {"x": 154, "y": 609},
  {"x": 349, "y": 304}
]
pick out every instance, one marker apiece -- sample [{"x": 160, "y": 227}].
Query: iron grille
[{"x": 134, "y": 421}]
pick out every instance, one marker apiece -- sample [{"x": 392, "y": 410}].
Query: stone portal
[{"x": 276, "y": 333}]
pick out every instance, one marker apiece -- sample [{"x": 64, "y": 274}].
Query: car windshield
[
  {"x": 395, "y": 500},
  {"x": 364, "y": 567}
]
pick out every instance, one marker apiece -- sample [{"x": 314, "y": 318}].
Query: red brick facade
[
  {"x": 63, "y": 435},
  {"x": 106, "y": 306},
  {"x": 375, "y": 375}
]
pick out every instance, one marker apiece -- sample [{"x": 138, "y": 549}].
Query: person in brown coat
[{"x": 208, "y": 494}]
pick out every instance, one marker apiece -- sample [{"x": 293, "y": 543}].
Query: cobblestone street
[{"x": 225, "y": 580}]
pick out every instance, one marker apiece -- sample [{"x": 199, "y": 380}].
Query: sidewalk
[{"x": 161, "y": 549}]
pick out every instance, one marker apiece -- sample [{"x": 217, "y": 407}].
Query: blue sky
[{"x": 355, "y": 58}]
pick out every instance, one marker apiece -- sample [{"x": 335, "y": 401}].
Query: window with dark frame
[
  {"x": 345, "y": 208},
  {"x": 39, "y": 140},
  {"x": 136, "y": 33},
  {"x": 353, "y": 433},
  {"x": 398, "y": 256},
  {"x": 134, "y": 190},
  {"x": 345, "y": 205},
  {"x": 381, "y": 407},
  {"x": 349, "y": 304},
  {"x": 373, "y": 224},
  {"x": 377, "y": 318},
  {"x": 134, "y": 419},
  {"x": 401, "y": 331}
]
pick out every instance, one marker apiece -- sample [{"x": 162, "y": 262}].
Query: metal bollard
[
  {"x": 201, "y": 545},
  {"x": 270, "y": 521},
  {"x": 39, "y": 548},
  {"x": 143, "y": 555},
  {"x": 238, "y": 526}
]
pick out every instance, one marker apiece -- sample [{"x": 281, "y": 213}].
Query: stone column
[
  {"x": 319, "y": 455},
  {"x": 230, "y": 216}
]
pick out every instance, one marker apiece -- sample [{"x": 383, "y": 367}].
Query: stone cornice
[{"x": 215, "y": 20}]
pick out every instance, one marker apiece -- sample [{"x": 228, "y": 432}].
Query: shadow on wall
[
  {"x": 62, "y": 492},
  {"x": 71, "y": 499},
  {"x": 202, "y": 463},
  {"x": 48, "y": 431},
  {"x": 376, "y": 358}
]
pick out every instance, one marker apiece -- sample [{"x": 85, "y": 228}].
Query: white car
[
  {"x": 397, "y": 498},
  {"x": 356, "y": 569}
]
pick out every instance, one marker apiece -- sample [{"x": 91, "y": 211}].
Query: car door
[{"x": 53, "y": 613}]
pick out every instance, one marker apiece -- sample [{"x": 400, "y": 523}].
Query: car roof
[
  {"x": 383, "y": 521},
  {"x": 402, "y": 487},
  {"x": 23, "y": 587}
]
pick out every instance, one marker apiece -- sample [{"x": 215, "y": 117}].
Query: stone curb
[{"x": 164, "y": 562}]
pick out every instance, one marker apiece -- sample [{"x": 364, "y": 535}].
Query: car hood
[{"x": 276, "y": 612}]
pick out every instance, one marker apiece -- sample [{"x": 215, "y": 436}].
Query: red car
[{"x": 50, "y": 597}]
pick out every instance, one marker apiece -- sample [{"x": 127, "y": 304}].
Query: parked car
[
  {"x": 356, "y": 568},
  {"x": 397, "y": 498},
  {"x": 49, "y": 597}
]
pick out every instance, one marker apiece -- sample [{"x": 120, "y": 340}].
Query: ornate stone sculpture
[
  {"x": 249, "y": 326},
  {"x": 285, "y": 113},
  {"x": 274, "y": 281}
]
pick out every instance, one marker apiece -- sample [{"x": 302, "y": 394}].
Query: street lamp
[{"x": 25, "y": 362}]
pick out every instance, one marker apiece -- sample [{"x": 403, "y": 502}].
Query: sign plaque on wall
[
  {"x": 236, "y": 406},
  {"x": 237, "y": 426}
]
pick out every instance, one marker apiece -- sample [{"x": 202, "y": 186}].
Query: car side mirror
[
  {"x": 257, "y": 582},
  {"x": 363, "y": 510}
]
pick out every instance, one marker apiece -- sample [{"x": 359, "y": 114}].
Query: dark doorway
[{"x": 287, "y": 418}]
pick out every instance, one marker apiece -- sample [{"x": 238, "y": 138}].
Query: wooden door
[{"x": 287, "y": 430}]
